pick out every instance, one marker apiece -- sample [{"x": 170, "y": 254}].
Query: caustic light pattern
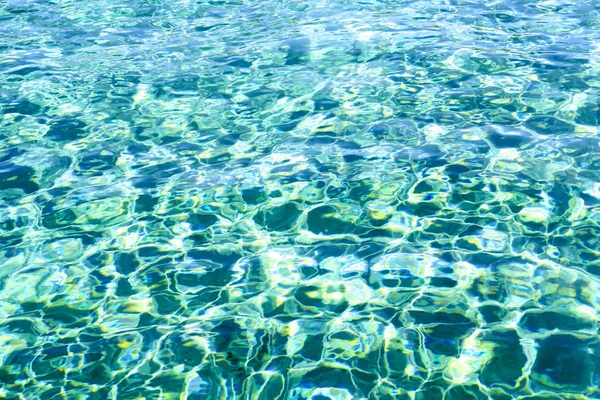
[{"x": 304, "y": 199}]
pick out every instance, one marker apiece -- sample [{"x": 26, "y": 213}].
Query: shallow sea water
[{"x": 299, "y": 200}]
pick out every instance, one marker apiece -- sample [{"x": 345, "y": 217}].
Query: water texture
[{"x": 312, "y": 199}]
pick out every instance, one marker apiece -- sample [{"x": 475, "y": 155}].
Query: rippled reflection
[{"x": 299, "y": 200}]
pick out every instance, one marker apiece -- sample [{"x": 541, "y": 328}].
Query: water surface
[{"x": 299, "y": 200}]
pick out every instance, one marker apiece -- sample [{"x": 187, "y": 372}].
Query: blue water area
[{"x": 299, "y": 199}]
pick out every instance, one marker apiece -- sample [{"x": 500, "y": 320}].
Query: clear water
[{"x": 299, "y": 199}]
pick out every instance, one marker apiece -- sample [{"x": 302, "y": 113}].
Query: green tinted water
[{"x": 299, "y": 200}]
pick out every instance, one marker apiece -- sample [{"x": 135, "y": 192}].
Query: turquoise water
[{"x": 299, "y": 200}]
